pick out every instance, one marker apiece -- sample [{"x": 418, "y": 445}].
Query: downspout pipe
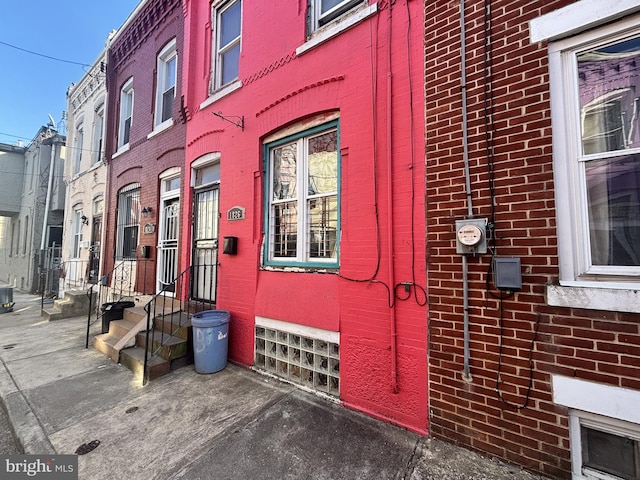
[
  {"x": 466, "y": 375},
  {"x": 392, "y": 282},
  {"x": 47, "y": 205}
]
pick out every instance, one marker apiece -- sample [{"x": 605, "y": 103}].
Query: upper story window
[
  {"x": 77, "y": 148},
  {"x": 324, "y": 11},
  {"x": 302, "y": 210},
  {"x": 167, "y": 67},
  {"x": 126, "y": 113},
  {"x": 98, "y": 133},
  {"x": 227, "y": 35}
]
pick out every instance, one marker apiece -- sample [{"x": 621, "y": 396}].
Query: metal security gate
[
  {"x": 168, "y": 244},
  {"x": 205, "y": 244}
]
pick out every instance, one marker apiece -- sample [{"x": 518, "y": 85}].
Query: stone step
[{"x": 133, "y": 359}]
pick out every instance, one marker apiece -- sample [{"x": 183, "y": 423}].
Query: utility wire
[{"x": 43, "y": 55}]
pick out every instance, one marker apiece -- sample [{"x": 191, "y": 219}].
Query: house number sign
[
  {"x": 235, "y": 213},
  {"x": 149, "y": 228}
]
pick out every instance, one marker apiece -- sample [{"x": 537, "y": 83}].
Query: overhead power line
[{"x": 43, "y": 55}]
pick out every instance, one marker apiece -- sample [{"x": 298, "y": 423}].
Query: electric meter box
[{"x": 471, "y": 236}]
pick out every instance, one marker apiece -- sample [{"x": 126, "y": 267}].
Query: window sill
[
  {"x": 120, "y": 151},
  {"x": 300, "y": 268},
  {"x": 161, "y": 128},
  {"x": 617, "y": 297},
  {"x": 340, "y": 25},
  {"x": 220, "y": 93}
]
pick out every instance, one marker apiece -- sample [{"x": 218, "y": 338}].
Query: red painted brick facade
[
  {"x": 599, "y": 346},
  {"x": 133, "y": 54},
  {"x": 349, "y": 75}
]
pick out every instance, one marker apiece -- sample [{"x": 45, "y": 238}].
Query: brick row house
[
  {"x": 532, "y": 231},
  {"x": 505, "y": 130},
  {"x": 145, "y": 143},
  {"x": 208, "y": 135}
]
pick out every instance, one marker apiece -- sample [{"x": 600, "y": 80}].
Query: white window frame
[
  {"x": 98, "y": 133},
  {"x": 318, "y": 34},
  {"x": 125, "y": 114},
  {"x": 301, "y": 259},
  {"x": 165, "y": 81},
  {"x": 126, "y": 221},
  {"x": 581, "y": 285},
  {"x": 219, "y": 50},
  {"x": 77, "y": 232},
  {"x": 602, "y": 407},
  {"x": 77, "y": 148}
]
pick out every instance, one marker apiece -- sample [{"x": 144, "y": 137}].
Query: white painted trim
[
  {"x": 121, "y": 150},
  {"x": 599, "y": 297},
  {"x": 579, "y": 16},
  {"x": 297, "y": 329},
  {"x": 161, "y": 128},
  {"x": 339, "y": 26},
  {"x": 221, "y": 92},
  {"x": 598, "y": 398}
]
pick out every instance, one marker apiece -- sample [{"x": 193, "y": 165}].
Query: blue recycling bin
[{"x": 210, "y": 340}]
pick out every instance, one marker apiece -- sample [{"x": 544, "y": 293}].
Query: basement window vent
[{"x": 306, "y": 361}]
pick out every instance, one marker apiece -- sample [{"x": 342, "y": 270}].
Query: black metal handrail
[
  {"x": 119, "y": 283},
  {"x": 177, "y": 294}
]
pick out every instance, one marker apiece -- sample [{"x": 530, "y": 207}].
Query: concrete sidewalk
[{"x": 234, "y": 424}]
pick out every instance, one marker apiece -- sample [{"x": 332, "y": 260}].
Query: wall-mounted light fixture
[
  {"x": 85, "y": 220},
  {"x": 146, "y": 211}
]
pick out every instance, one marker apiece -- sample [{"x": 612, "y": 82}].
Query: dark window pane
[
  {"x": 609, "y": 453},
  {"x": 230, "y": 23},
  {"x": 229, "y": 65},
  {"x": 613, "y": 188},
  {"x": 285, "y": 229}
]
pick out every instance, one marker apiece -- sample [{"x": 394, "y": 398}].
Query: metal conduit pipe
[
  {"x": 392, "y": 310},
  {"x": 467, "y": 175}
]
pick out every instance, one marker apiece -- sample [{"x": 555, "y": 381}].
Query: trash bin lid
[{"x": 210, "y": 318}]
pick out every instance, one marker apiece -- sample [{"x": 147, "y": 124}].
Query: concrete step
[
  {"x": 164, "y": 345},
  {"x": 105, "y": 343},
  {"x": 51, "y": 313},
  {"x": 74, "y": 304},
  {"x": 133, "y": 359},
  {"x": 119, "y": 328},
  {"x": 177, "y": 324}
]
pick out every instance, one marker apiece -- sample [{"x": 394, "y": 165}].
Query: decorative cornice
[{"x": 274, "y": 66}]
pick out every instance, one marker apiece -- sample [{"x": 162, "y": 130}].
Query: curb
[{"x": 26, "y": 427}]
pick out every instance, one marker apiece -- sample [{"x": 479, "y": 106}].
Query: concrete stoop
[
  {"x": 74, "y": 304},
  {"x": 170, "y": 340}
]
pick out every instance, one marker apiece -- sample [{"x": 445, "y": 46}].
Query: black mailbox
[{"x": 230, "y": 245}]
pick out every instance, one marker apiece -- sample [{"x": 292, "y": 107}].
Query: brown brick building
[{"x": 532, "y": 138}]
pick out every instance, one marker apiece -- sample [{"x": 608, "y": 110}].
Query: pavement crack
[{"x": 413, "y": 460}]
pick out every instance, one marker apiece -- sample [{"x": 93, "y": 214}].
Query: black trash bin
[{"x": 113, "y": 311}]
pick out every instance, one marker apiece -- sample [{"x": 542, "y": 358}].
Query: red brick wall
[
  {"x": 593, "y": 345},
  {"x": 133, "y": 54},
  {"x": 280, "y": 88}
]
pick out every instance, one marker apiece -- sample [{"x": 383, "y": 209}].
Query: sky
[{"x": 33, "y": 87}]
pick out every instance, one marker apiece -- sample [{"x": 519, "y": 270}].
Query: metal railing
[
  {"x": 173, "y": 301},
  {"x": 127, "y": 280}
]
